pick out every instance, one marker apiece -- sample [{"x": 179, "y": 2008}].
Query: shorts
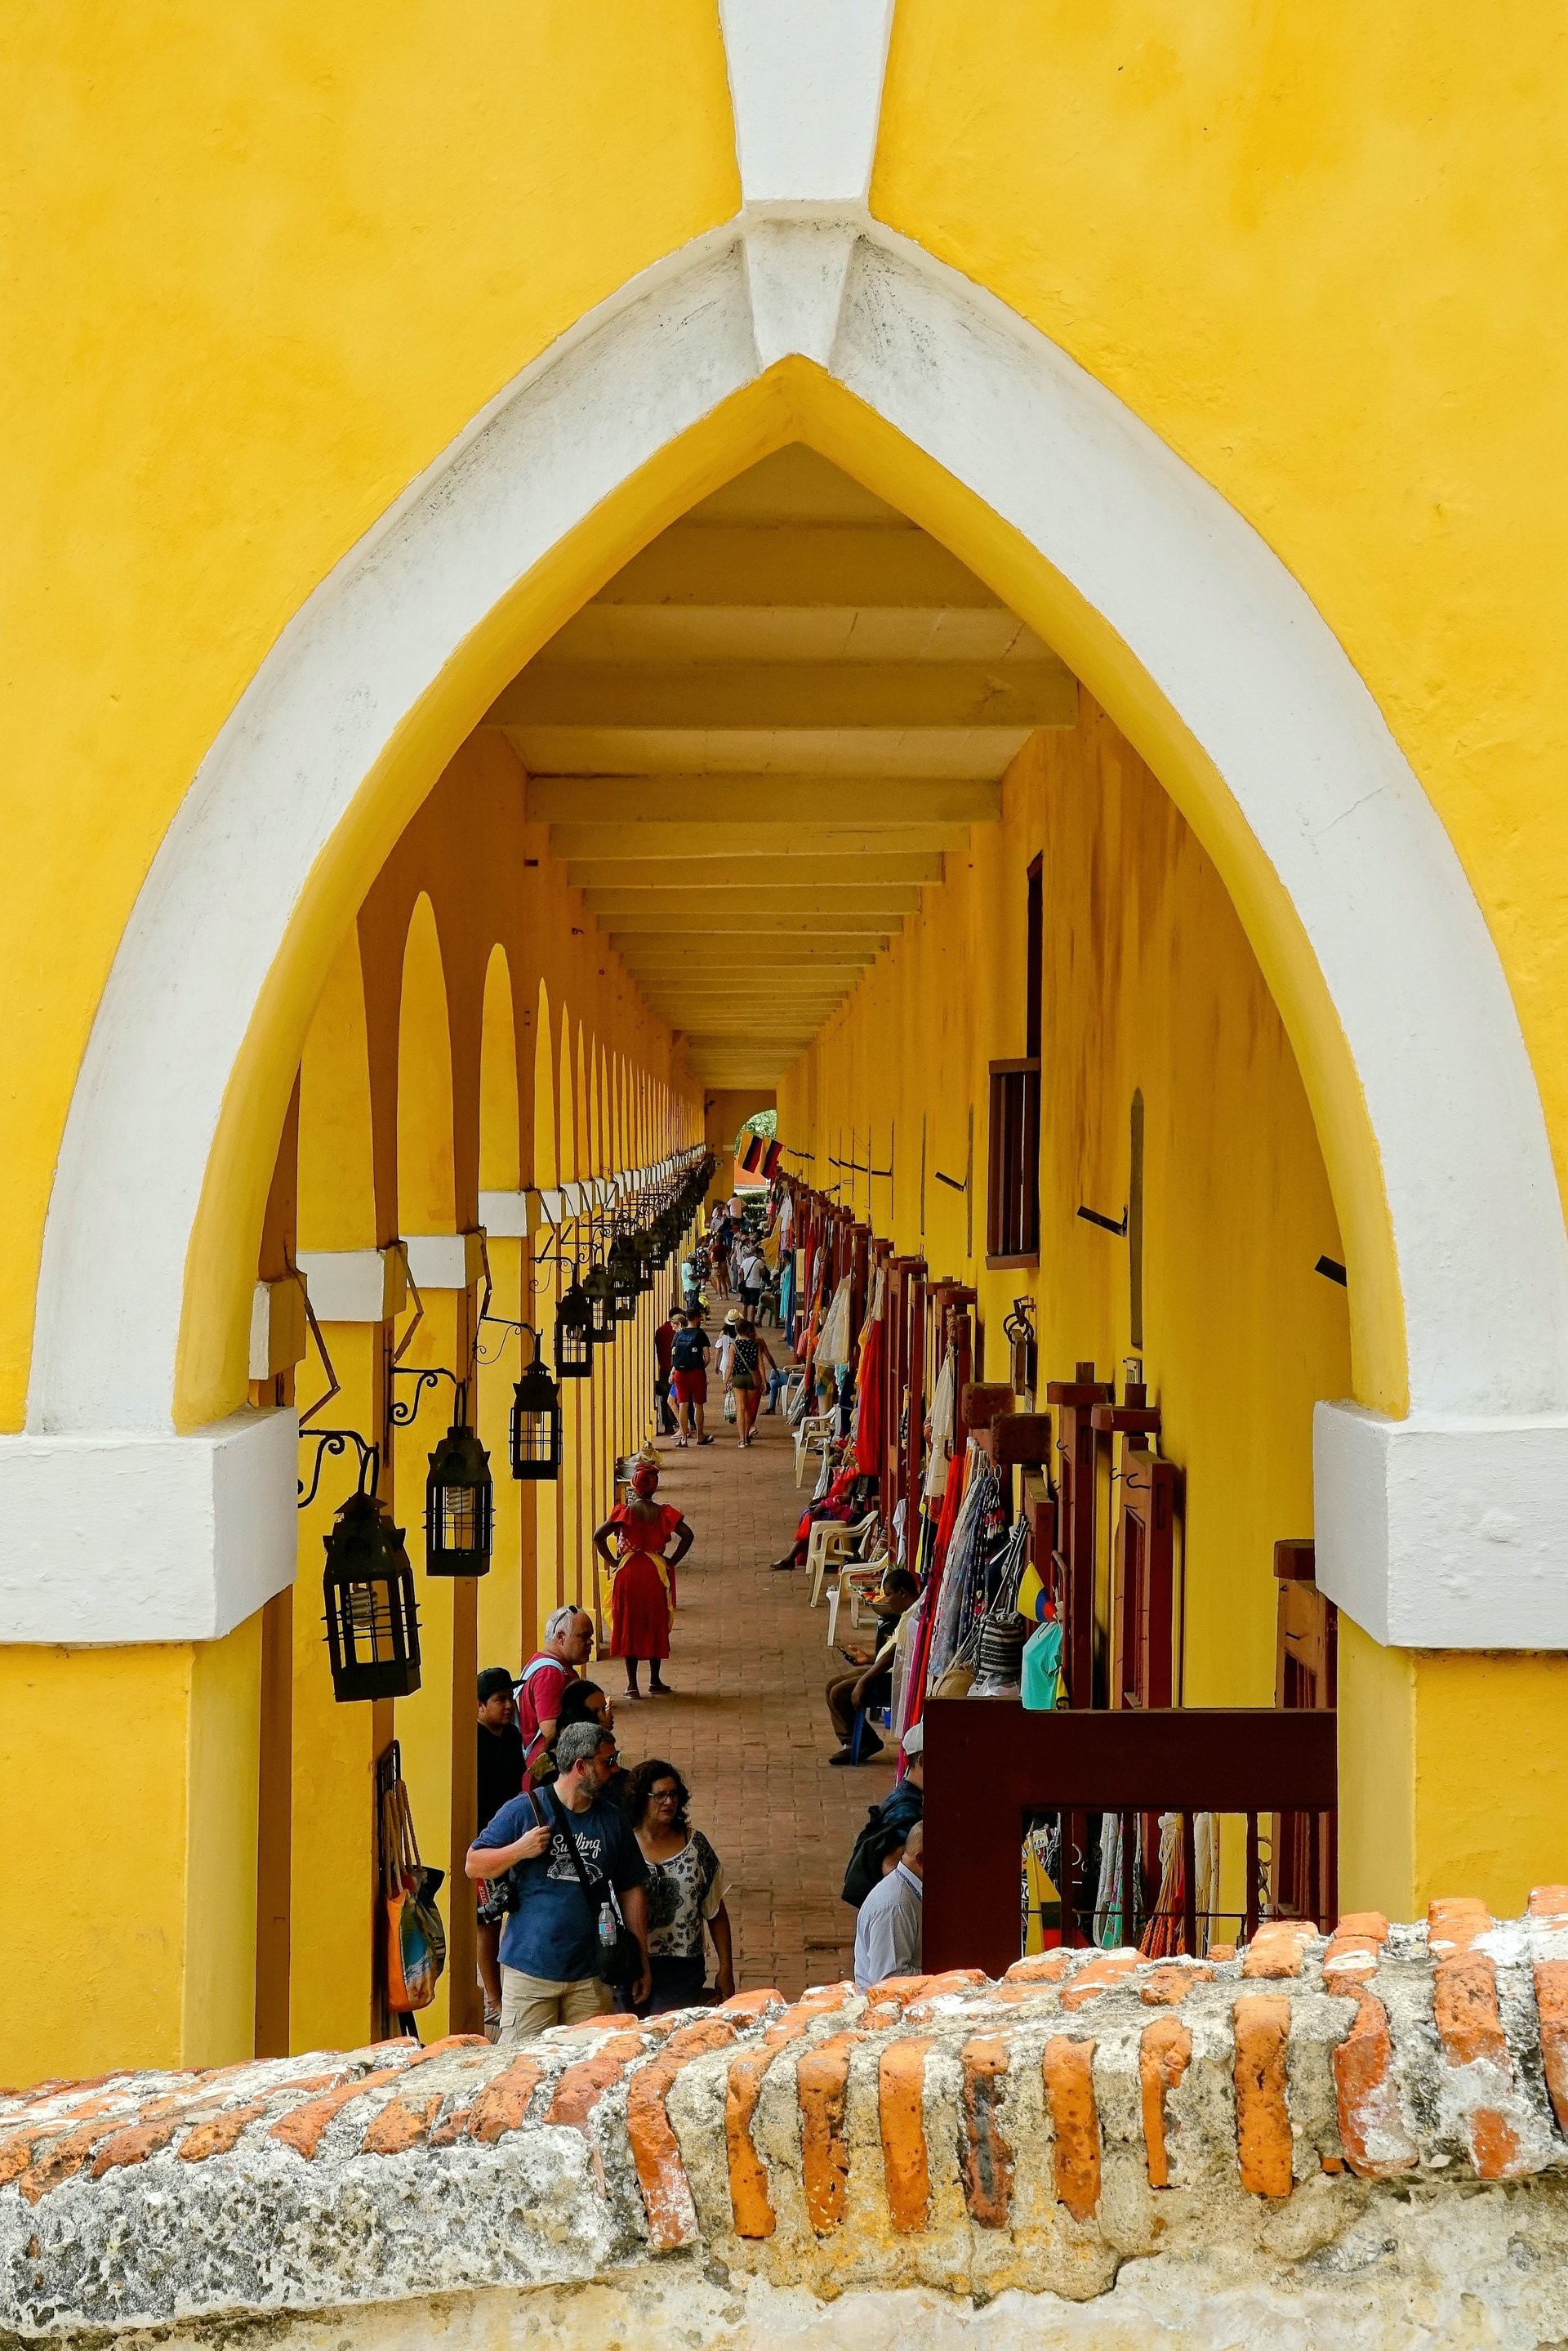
[
  {"x": 690, "y": 1387},
  {"x": 745, "y": 1381}
]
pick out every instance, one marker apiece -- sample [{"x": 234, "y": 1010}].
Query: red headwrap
[{"x": 645, "y": 1477}]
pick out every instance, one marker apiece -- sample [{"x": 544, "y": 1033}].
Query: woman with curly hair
[{"x": 686, "y": 1886}]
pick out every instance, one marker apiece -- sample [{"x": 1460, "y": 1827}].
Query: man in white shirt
[{"x": 889, "y": 1934}]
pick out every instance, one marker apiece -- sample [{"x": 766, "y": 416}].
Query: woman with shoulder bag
[
  {"x": 748, "y": 1354},
  {"x": 687, "y": 1883}
]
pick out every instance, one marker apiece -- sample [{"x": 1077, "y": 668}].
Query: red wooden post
[{"x": 1078, "y": 1448}]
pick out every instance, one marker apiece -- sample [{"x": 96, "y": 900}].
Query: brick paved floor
[{"x": 746, "y": 1725}]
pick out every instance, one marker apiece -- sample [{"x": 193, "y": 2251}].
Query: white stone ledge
[
  {"x": 446, "y": 1260},
  {"x": 1439, "y": 1533},
  {"x": 141, "y": 1538},
  {"x": 354, "y": 1285}
]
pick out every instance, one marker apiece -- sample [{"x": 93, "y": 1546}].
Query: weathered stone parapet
[{"x": 1290, "y": 2114}]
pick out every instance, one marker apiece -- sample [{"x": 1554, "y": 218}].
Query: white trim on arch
[{"x": 1220, "y": 626}]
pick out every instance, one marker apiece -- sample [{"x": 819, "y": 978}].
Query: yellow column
[
  {"x": 1451, "y": 1774},
  {"x": 148, "y": 1958},
  {"x": 435, "y": 1726},
  {"x": 500, "y": 1591},
  {"x": 334, "y": 1897}
]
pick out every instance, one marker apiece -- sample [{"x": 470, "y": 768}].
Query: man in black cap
[{"x": 501, "y": 1765}]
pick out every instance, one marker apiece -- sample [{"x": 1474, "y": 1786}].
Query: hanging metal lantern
[
  {"x": 599, "y": 1289},
  {"x": 625, "y": 1273},
  {"x": 643, "y": 1257},
  {"x": 536, "y": 1422},
  {"x": 372, "y": 1618},
  {"x": 460, "y": 1504},
  {"x": 573, "y": 1335}
]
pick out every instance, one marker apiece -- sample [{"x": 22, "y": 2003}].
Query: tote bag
[{"x": 416, "y": 1939}]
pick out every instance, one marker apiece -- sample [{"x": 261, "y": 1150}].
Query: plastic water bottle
[{"x": 607, "y": 1925}]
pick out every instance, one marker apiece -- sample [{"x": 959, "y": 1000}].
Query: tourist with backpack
[
  {"x": 568, "y": 1644},
  {"x": 689, "y": 1375},
  {"x": 887, "y": 1824},
  {"x": 570, "y": 1880}
]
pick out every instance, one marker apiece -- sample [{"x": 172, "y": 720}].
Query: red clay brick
[
  {"x": 985, "y": 2155},
  {"x": 900, "y": 2113},
  {"x": 655, "y": 2151},
  {"x": 1262, "y": 2026},
  {"x": 1164, "y": 2051},
  {"x": 1277, "y": 1949},
  {"x": 822, "y": 2078},
  {"x": 582, "y": 2086},
  {"x": 1098, "y": 1975},
  {"x": 1068, "y": 2069},
  {"x": 1377, "y": 2146}
]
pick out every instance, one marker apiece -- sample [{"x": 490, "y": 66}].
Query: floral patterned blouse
[{"x": 682, "y": 1893}]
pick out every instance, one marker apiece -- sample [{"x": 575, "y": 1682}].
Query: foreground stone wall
[{"x": 1363, "y": 2137}]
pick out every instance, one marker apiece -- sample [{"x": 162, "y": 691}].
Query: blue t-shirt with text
[{"x": 553, "y": 1933}]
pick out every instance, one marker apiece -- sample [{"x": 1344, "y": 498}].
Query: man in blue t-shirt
[{"x": 550, "y": 1944}]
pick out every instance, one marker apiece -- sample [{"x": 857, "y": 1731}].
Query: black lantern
[
  {"x": 372, "y": 1620},
  {"x": 535, "y": 1422},
  {"x": 573, "y": 1335},
  {"x": 644, "y": 1257},
  {"x": 625, "y": 1273},
  {"x": 599, "y": 1289},
  {"x": 460, "y": 1504}
]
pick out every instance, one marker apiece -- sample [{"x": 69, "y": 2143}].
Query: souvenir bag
[{"x": 416, "y": 1939}]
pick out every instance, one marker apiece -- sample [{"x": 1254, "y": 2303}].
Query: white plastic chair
[
  {"x": 854, "y": 1583},
  {"x": 814, "y": 1434},
  {"x": 831, "y": 1544}
]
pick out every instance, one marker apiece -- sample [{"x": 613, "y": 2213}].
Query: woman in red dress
[{"x": 642, "y": 1597}]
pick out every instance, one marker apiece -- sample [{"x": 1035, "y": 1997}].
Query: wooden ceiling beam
[
  {"x": 778, "y": 697},
  {"x": 803, "y": 801},
  {"x": 831, "y": 881}
]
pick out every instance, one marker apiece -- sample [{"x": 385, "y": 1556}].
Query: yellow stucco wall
[
  {"x": 129, "y": 1781},
  {"x": 1308, "y": 248},
  {"x": 270, "y": 269}
]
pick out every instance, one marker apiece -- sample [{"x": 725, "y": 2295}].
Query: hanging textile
[
  {"x": 1108, "y": 1918},
  {"x": 965, "y": 1558},
  {"x": 943, "y": 1420},
  {"x": 834, "y": 1339},
  {"x": 868, "y": 1402}
]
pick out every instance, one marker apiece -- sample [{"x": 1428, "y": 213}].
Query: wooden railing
[{"x": 991, "y": 1768}]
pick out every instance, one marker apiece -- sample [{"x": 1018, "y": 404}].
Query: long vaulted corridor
[{"x": 747, "y": 1727}]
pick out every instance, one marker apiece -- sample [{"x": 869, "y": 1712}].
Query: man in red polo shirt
[{"x": 568, "y": 1644}]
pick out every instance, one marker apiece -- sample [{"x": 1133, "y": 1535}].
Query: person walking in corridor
[
  {"x": 642, "y": 1597},
  {"x": 689, "y": 1371},
  {"x": 551, "y": 1942},
  {"x": 748, "y": 1354}
]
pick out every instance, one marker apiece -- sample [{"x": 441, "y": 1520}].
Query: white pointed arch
[{"x": 1182, "y": 621}]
